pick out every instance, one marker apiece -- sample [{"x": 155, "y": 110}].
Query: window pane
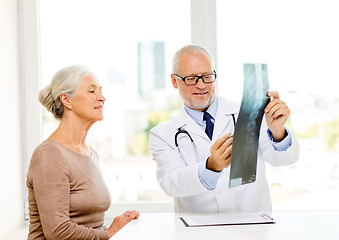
[
  {"x": 298, "y": 41},
  {"x": 128, "y": 45}
]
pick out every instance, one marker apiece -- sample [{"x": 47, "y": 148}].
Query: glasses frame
[{"x": 198, "y": 77}]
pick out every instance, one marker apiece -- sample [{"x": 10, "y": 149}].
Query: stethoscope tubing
[
  {"x": 179, "y": 132},
  {"x": 185, "y": 132}
]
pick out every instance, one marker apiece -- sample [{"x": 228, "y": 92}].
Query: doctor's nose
[{"x": 200, "y": 84}]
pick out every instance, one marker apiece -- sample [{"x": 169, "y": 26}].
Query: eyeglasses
[{"x": 193, "y": 80}]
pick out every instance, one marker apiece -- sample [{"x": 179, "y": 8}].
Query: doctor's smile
[{"x": 200, "y": 94}]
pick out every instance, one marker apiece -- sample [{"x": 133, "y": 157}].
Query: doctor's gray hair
[
  {"x": 191, "y": 49},
  {"x": 66, "y": 80}
]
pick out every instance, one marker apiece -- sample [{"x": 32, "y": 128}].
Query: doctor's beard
[{"x": 195, "y": 105}]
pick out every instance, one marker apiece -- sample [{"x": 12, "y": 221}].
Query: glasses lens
[
  {"x": 209, "y": 78},
  {"x": 190, "y": 80}
]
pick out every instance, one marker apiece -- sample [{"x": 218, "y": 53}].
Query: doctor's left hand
[
  {"x": 276, "y": 114},
  {"x": 220, "y": 154}
]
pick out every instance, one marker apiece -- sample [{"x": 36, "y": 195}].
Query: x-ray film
[{"x": 246, "y": 135}]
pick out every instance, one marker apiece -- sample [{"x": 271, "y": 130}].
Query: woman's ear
[{"x": 66, "y": 101}]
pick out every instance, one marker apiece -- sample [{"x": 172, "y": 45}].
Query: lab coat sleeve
[
  {"x": 174, "y": 176},
  {"x": 277, "y": 157}
]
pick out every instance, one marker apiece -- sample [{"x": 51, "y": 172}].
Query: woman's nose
[{"x": 102, "y": 98}]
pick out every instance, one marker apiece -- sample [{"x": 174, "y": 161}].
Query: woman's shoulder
[
  {"x": 48, "y": 151},
  {"x": 47, "y": 146},
  {"x": 49, "y": 158}
]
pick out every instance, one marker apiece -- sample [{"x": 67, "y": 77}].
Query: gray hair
[
  {"x": 191, "y": 49},
  {"x": 66, "y": 80}
]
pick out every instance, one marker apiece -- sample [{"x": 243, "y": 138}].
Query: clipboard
[{"x": 226, "y": 219}]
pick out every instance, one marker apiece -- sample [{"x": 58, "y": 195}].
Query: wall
[{"x": 11, "y": 181}]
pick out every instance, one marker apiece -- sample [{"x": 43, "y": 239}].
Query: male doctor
[{"x": 193, "y": 166}]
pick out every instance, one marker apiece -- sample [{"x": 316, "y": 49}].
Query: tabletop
[{"x": 289, "y": 225}]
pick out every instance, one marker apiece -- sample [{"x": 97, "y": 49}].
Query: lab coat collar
[
  {"x": 224, "y": 118},
  {"x": 225, "y": 109}
]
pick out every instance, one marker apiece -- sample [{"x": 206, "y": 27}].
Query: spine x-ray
[{"x": 246, "y": 135}]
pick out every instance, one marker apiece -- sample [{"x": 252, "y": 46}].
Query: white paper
[{"x": 226, "y": 219}]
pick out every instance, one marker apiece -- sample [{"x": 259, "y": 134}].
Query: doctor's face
[{"x": 199, "y": 96}]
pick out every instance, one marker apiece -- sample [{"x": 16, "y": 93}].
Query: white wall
[
  {"x": 20, "y": 117},
  {"x": 11, "y": 181}
]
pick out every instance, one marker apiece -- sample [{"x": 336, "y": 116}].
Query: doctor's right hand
[{"x": 220, "y": 153}]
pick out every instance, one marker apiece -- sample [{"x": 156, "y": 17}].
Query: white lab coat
[{"x": 177, "y": 171}]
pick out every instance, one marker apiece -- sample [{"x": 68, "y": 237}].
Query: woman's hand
[{"x": 120, "y": 221}]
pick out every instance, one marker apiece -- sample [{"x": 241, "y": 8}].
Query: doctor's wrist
[
  {"x": 210, "y": 165},
  {"x": 279, "y": 136}
]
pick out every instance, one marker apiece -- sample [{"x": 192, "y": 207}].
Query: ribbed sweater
[{"x": 67, "y": 195}]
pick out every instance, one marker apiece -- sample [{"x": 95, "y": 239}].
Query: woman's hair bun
[{"x": 66, "y": 81}]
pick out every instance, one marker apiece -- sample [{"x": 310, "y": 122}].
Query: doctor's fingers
[
  {"x": 223, "y": 152},
  {"x": 220, "y": 141},
  {"x": 227, "y": 153},
  {"x": 273, "y": 94},
  {"x": 225, "y": 149},
  {"x": 279, "y": 110},
  {"x": 225, "y": 159},
  {"x": 274, "y": 104}
]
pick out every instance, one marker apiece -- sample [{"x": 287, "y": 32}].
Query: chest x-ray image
[{"x": 246, "y": 135}]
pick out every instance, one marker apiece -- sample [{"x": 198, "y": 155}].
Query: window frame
[{"x": 30, "y": 81}]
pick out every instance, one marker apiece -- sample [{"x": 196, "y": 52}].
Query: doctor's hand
[
  {"x": 220, "y": 154},
  {"x": 276, "y": 114}
]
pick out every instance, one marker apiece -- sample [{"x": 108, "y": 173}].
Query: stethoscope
[{"x": 183, "y": 131}]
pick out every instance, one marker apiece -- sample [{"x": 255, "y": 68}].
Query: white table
[{"x": 288, "y": 226}]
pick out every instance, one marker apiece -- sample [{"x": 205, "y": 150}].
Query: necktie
[{"x": 209, "y": 125}]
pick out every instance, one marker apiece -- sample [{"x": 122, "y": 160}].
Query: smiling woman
[
  {"x": 65, "y": 81},
  {"x": 87, "y": 101},
  {"x": 66, "y": 191}
]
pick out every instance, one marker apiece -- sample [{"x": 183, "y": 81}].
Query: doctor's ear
[
  {"x": 174, "y": 81},
  {"x": 66, "y": 101}
]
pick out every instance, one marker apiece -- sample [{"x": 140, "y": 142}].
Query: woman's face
[{"x": 87, "y": 101}]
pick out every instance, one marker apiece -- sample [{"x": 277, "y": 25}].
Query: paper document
[
  {"x": 246, "y": 134},
  {"x": 226, "y": 219}
]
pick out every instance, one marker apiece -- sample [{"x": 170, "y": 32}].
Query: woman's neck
[{"x": 71, "y": 133}]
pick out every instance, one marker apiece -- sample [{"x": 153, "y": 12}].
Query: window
[
  {"x": 298, "y": 41},
  {"x": 129, "y": 46}
]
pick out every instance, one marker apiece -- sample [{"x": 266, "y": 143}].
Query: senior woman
[{"x": 67, "y": 195}]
